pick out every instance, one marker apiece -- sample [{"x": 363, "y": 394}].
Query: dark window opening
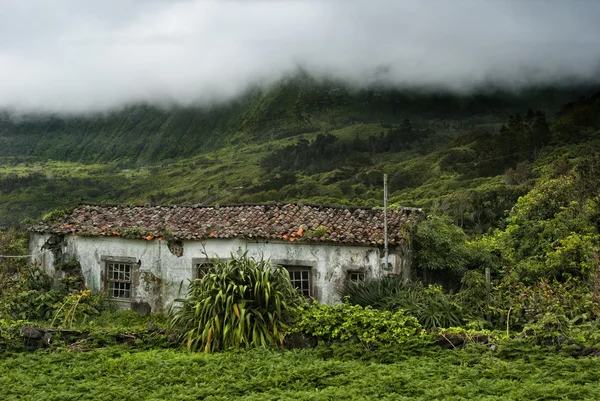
[
  {"x": 356, "y": 277},
  {"x": 200, "y": 269},
  {"x": 301, "y": 279},
  {"x": 118, "y": 280}
]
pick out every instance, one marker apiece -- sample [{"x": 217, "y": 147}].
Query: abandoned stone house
[{"x": 141, "y": 255}]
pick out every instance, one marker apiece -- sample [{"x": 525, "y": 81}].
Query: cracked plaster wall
[{"x": 161, "y": 272}]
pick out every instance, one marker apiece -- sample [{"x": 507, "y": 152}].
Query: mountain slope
[
  {"x": 301, "y": 141},
  {"x": 144, "y": 134}
]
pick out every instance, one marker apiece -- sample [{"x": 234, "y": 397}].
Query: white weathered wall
[{"x": 162, "y": 272}]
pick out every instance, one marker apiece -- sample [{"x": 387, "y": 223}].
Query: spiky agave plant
[{"x": 242, "y": 302}]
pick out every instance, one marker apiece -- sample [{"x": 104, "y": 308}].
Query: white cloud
[{"x": 77, "y": 56}]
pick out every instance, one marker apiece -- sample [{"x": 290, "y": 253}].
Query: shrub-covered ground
[{"x": 117, "y": 374}]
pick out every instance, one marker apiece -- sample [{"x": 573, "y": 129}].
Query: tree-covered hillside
[
  {"x": 469, "y": 157},
  {"x": 145, "y": 134}
]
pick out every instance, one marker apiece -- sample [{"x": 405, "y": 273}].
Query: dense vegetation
[
  {"x": 511, "y": 186},
  {"x": 238, "y": 303},
  {"x": 300, "y": 140},
  {"x": 117, "y": 373}
]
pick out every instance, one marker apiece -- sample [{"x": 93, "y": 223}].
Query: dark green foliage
[
  {"x": 242, "y": 302},
  {"x": 13, "y": 270},
  {"x": 372, "y": 292},
  {"x": 327, "y": 152},
  {"x": 441, "y": 152},
  {"x": 430, "y": 305},
  {"x": 440, "y": 245}
]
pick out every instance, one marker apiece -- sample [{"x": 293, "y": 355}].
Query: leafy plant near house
[
  {"x": 429, "y": 304},
  {"x": 77, "y": 306},
  {"x": 239, "y": 303},
  {"x": 346, "y": 322},
  {"x": 13, "y": 269},
  {"x": 27, "y": 293},
  {"x": 372, "y": 292},
  {"x": 441, "y": 245}
]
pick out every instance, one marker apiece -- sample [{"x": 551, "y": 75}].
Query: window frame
[
  {"x": 133, "y": 277},
  {"x": 118, "y": 285},
  {"x": 200, "y": 261},
  {"x": 301, "y": 268},
  {"x": 349, "y": 274},
  {"x": 201, "y": 267}
]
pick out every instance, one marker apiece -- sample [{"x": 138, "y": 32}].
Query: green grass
[{"x": 116, "y": 374}]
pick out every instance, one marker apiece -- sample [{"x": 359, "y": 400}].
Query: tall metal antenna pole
[{"x": 385, "y": 223}]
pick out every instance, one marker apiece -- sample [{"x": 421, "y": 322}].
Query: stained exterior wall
[{"x": 163, "y": 268}]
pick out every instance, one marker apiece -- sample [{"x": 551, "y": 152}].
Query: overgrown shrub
[
  {"x": 441, "y": 245},
  {"x": 242, "y": 302},
  {"x": 77, "y": 306},
  {"x": 347, "y": 322},
  {"x": 552, "y": 232},
  {"x": 9, "y": 334},
  {"x": 474, "y": 296},
  {"x": 515, "y": 304},
  {"x": 13, "y": 269},
  {"x": 372, "y": 292},
  {"x": 430, "y": 305}
]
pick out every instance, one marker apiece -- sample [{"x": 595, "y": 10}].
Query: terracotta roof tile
[{"x": 274, "y": 221}]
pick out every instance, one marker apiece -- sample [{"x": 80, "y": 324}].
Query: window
[
  {"x": 301, "y": 279},
  {"x": 118, "y": 279},
  {"x": 200, "y": 269},
  {"x": 356, "y": 276}
]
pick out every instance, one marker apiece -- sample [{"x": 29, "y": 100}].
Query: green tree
[{"x": 441, "y": 245}]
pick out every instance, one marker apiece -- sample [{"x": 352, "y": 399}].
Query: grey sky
[{"x": 78, "y": 55}]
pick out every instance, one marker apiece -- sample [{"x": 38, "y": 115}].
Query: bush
[
  {"x": 13, "y": 271},
  {"x": 347, "y": 322},
  {"x": 430, "y": 305},
  {"x": 9, "y": 334},
  {"x": 441, "y": 245},
  {"x": 36, "y": 304},
  {"x": 372, "y": 292},
  {"x": 77, "y": 306},
  {"x": 239, "y": 303},
  {"x": 515, "y": 305}
]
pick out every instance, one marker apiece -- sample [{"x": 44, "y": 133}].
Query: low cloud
[{"x": 76, "y": 56}]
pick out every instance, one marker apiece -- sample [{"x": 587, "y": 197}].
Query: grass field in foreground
[{"x": 117, "y": 374}]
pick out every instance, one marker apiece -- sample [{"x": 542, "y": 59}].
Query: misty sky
[{"x": 77, "y": 55}]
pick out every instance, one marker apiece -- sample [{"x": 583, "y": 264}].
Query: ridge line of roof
[{"x": 277, "y": 204}]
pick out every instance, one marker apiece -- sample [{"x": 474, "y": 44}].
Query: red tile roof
[{"x": 289, "y": 222}]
